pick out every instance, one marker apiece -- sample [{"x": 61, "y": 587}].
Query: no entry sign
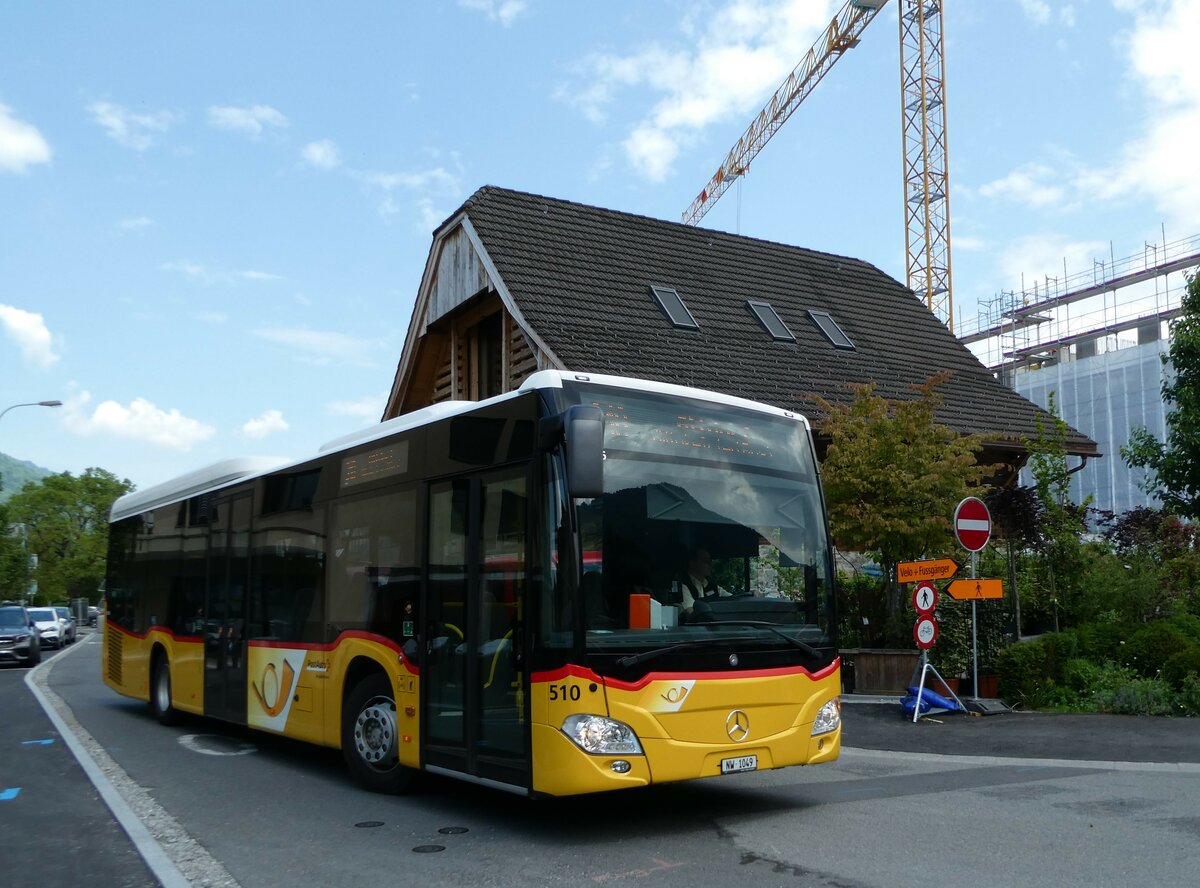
[{"x": 972, "y": 524}]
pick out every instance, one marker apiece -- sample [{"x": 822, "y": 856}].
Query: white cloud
[
  {"x": 269, "y": 422},
  {"x": 207, "y": 275},
  {"x": 1035, "y": 257},
  {"x": 317, "y": 346},
  {"x": 502, "y": 11},
  {"x": 434, "y": 179},
  {"x": 28, "y": 330},
  {"x": 141, "y": 420},
  {"x": 1034, "y": 184},
  {"x": 135, "y": 223},
  {"x": 212, "y": 317},
  {"x": 367, "y": 407},
  {"x": 136, "y": 131},
  {"x": 1159, "y": 163},
  {"x": 1037, "y": 11},
  {"x": 743, "y": 52},
  {"x": 250, "y": 121},
  {"x": 323, "y": 155},
  {"x": 21, "y": 145}
]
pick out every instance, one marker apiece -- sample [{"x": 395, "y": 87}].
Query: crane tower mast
[
  {"x": 926, "y": 181},
  {"x": 926, "y": 185}
]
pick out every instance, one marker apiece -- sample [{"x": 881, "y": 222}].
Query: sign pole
[{"x": 974, "y": 640}]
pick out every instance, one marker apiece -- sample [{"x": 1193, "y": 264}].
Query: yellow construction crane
[{"x": 923, "y": 119}]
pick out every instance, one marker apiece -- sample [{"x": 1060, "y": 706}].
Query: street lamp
[{"x": 31, "y": 404}]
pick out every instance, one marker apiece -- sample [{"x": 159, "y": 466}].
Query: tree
[
  {"x": 1173, "y": 466},
  {"x": 66, "y": 526},
  {"x": 1063, "y": 521},
  {"x": 1017, "y": 513},
  {"x": 893, "y": 475},
  {"x": 15, "y": 572}
]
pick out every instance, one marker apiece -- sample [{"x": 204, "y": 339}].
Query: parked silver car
[
  {"x": 68, "y": 621},
  {"x": 49, "y": 626}
]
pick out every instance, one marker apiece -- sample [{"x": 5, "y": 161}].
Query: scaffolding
[
  {"x": 1094, "y": 342},
  {"x": 1082, "y": 314}
]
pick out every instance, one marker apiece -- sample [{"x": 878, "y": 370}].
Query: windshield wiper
[
  {"x": 759, "y": 624},
  {"x": 634, "y": 659}
]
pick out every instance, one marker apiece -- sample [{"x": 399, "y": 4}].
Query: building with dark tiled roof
[{"x": 516, "y": 282}]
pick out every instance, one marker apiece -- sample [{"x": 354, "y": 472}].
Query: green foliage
[
  {"x": 15, "y": 571},
  {"x": 1152, "y": 645},
  {"x": 1173, "y": 467},
  {"x": 1122, "y": 692},
  {"x": 893, "y": 475},
  {"x": 1023, "y": 675},
  {"x": 66, "y": 525},
  {"x": 1179, "y": 666},
  {"x": 1063, "y": 521},
  {"x": 1102, "y": 641}
]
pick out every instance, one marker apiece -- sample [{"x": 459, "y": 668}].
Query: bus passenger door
[
  {"x": 225, "y": 609},
  {"x": 474, "y": 685}
]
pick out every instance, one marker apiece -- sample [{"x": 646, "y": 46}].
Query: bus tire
[
  {"x": 160, "y": 691},
  {"x": 370, "y": 737}
]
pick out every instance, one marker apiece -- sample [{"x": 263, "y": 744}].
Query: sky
[{"x": 215, "y": 216}]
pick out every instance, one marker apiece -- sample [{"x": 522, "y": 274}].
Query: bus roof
[{"x": 229, "y": 470}]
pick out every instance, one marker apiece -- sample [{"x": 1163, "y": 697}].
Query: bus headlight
[
  {"x": 828, "y": 718},
  {"x": 597, "y": 735}
]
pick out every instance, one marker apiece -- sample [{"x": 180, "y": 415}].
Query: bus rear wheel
[
  {"x": 160, "y": 691},
  {"x": 371, "y": 737}
]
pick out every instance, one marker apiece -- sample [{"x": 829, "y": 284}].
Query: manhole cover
[
  {"x": 452, "y": 830},
  {"x": 367, "y": 824},
  {"x": 429, "y": 849}
]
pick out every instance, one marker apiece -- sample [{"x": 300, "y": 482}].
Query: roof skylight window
[
  {"x": 830, "y": 328},
  {"x": 677, "y": 313},
  {"x": 772, "y": 323}
]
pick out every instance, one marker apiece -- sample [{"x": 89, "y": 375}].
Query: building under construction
[{"x": 1094, "y": 341}]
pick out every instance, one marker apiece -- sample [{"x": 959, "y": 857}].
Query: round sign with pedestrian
[
  {"x": 972, "y": 524},
  {"x": 926, "y": 632},
  {"x": 925, "y": 597}
]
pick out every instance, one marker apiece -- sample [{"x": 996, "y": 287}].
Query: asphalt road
[
  {"x": 56, "y": 829},
  {"x": 1018, "y": 798}
]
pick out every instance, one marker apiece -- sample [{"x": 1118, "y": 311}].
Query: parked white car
[
  {"x": 49, "y": 626},
  {"x": 68, "y": 621}
]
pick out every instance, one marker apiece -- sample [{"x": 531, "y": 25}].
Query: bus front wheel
[
  {"x": 160, "y": 692},
  {"x": 370, "y": 737}
]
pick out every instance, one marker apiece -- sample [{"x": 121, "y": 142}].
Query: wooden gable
[{"x": 464, "y": 342}]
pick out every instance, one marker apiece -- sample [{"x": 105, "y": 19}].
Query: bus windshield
[{"x": 710, "y": 530}]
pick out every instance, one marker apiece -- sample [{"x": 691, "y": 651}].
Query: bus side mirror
[{"x": 583, "y": 428}]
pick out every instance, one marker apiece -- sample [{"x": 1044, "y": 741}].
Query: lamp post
[{"x": 31, "y": 404}]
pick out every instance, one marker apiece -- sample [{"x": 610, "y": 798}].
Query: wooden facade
[{"x": 465, "y": 342}]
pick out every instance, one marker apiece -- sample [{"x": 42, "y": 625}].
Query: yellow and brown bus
[{"x": 491, "y": 591}]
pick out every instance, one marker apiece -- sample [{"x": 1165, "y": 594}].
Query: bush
[
  {"x": 1180, "y": 666},
  {"x": 1129, "y": 695},
  {"x": 1189, "y": 695},
  {"x": 1100, "y": 642},
  {"x": 1022, "y": 674},
  {"x": 1152, "y": 645},
  {"x": 1082, "y": 675}
]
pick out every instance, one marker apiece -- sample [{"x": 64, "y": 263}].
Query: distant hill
[{"x": 16, "y": 473}]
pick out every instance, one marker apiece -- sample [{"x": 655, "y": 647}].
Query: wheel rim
[
  {"x": 375, "y": 733},
  {"x": 162, "y": 690}
]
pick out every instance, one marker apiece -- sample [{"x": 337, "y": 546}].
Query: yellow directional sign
[
  {"x": 966, "y": 590},
  {"x": 915, "y": 571}
]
